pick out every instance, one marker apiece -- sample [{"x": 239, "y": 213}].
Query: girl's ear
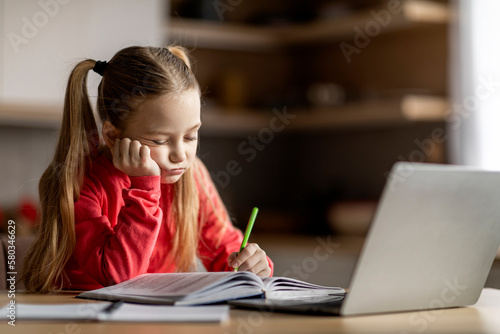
[{"x": 110, "y": 133}]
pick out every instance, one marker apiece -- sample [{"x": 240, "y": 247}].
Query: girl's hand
[
  {"x": 252, "y": 259},
  {"x": 133, "y": 158}
]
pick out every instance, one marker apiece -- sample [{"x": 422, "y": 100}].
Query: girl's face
[{"x": 169, "y": 126}]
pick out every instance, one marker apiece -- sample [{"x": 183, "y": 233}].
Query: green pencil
[{"x": 248, "y": 230}]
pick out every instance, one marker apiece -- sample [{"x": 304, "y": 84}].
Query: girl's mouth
[{"x": 176, "y": 171}]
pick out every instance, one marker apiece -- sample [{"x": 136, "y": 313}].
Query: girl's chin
[{"x": 169, "y": 179}]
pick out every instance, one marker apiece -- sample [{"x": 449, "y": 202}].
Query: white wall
[
  {"x": 475, "y": 84},
  {"x": 43, "y": 39}
]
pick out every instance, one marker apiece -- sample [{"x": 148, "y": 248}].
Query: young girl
[{"x": 138, "y": 200}]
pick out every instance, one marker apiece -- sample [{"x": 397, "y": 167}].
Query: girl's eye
[
  {"x": 191, "y": 138},
  {"x": 159, "y": 142}
]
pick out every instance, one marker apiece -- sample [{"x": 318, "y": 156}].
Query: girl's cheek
[
  {"x": 193, "y": 149},
  {"x": 156, "y": 154}
]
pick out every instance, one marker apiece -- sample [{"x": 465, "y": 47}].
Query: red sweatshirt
[{"x": 123, "y": 227}]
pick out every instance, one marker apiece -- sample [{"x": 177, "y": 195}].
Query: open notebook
[{"x": 206, "y": 288}]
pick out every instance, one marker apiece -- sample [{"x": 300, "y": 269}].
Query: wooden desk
[{"x": 484, "y": 317}]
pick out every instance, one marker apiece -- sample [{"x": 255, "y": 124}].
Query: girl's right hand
[{"x": 133, "y": 158}]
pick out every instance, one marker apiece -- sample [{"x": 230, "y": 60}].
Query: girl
[{"x": 138, "y": 200}]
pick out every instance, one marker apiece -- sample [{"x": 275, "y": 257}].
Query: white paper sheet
[{"x": 125, "y": 312}]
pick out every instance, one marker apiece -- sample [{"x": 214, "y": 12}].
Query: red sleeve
[
  {"x": 219, "y": 237},
  {"x": 112, "y": 254}
]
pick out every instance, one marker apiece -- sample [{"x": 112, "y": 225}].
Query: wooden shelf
[
  {"x": 385, "y": 112},
  {"x": 232, "y": 36},
  {"x": 43, "y": 115},
  {"x": 390, "y": 111},
  {"x": 413, "y": 13},
  {"x": 213, "y": 35}
]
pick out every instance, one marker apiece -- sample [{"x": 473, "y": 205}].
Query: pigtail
[
  {"x": 185, "y": 210},
  {"x": 59, "y": 188}
]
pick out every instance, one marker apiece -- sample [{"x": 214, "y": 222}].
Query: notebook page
[{"x": 171, "y": 284}]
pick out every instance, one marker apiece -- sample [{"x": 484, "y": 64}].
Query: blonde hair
[{"x": 133, "y": 74}]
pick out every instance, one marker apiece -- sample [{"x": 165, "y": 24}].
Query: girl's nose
[{"x": 177, "y": 154}]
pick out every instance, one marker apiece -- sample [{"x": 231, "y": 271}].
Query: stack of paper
[{"x": 106, "y": 311}]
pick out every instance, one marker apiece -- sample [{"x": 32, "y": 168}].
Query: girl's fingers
[
  {"x": 246, "y": 262},
  {"x": 124, "y": 150},
  {"x": 252, "y": 259},
  {"x": 265, "y": 272},
  {"x": 252, "y": 262},
  {"x": 144, "y": 153},
  {"x": 133, "y": 158},
  {"x": 231, "y": 258},
  {"x": 260, "y": 267},
  {"x": 134, "y": 152},
  {"x": 146, "y": 162},
  {"x": 248, "y": 251}
]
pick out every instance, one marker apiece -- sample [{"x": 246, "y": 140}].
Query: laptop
[{"x": 430, "y": 245}]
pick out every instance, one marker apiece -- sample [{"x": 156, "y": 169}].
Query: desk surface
[{"x": 483, "y": 317}]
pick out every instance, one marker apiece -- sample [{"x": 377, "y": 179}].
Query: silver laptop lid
[{"x": 432, "y": 241}]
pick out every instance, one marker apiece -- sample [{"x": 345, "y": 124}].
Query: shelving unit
[
  {"x": 413, "y": 14},
  {"x": 233, "y": 36},
  {"x": 385, "y": 112}
]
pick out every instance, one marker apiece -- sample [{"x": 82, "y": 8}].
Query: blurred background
[{"x": 306, "y": 104}]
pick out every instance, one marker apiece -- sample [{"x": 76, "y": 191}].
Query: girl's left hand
[{"x": 252, "y": 258}]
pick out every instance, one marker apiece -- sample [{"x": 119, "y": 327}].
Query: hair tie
[{"x": 100, "y": 67}]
